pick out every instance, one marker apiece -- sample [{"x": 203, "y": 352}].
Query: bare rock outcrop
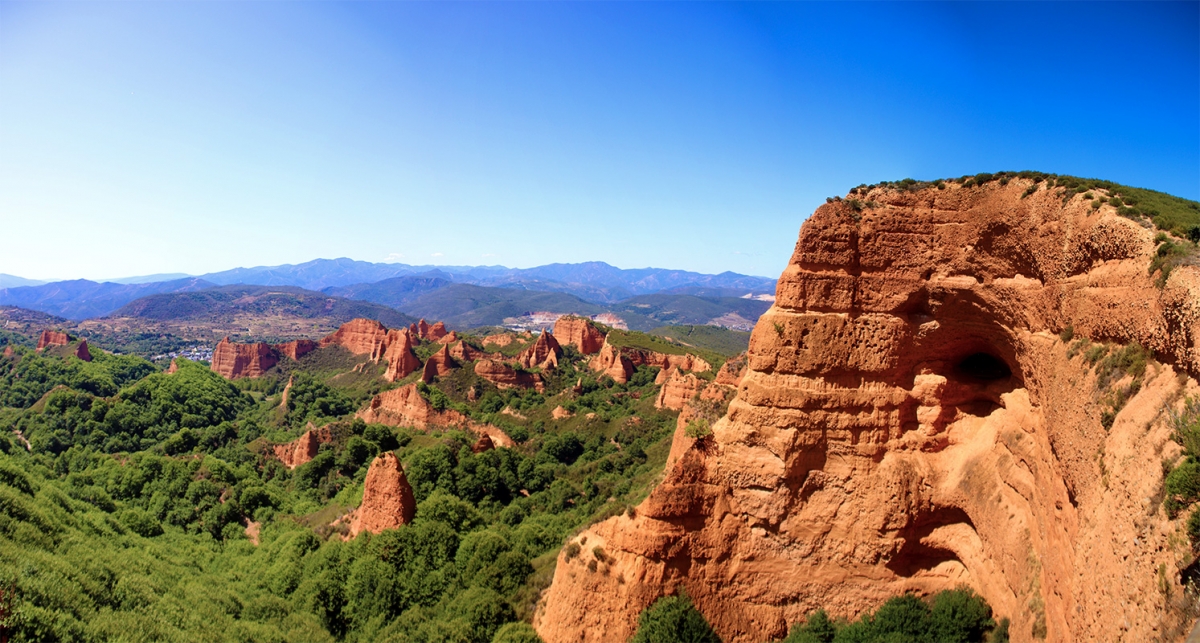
[
  {"x": 435, "y": 332},
  {"x": 359, "y": 336},
  {"x": 620, "y": 362},
  {"x": 911, "y": 420},
  {"x": 544, "y": 352},
  {"x": 233, "y": 361},
  {"x": 388, "y": 500},
  {"x": 296, "y": 349},
  {"x": 8, "y": 352},
  {"x": 438, "y": 364},
  {"x": 304, "y": 448},
  {"x": 678, "y": 389},
  {"x": 82, "y": 352},
  {"x": 422, "y": 329},
  {"x": 465, "y": 352},
  {"x": 613, "y": 363},
  {"x": 579, "y": 332},
  {"x": 500, "y": 340},
  {"x": 505, "y": 376},
  {"x": 560, "y": 413},
  {"x": 449, "y": 338},
  {"x": 484, "y": 443},
  {"x": 733, "y": 370},
  {"x": 50, "y": 338},
  {"x": 398, "y": 352},
  {"x": 173, "y": 368},
  {"x": 405, "y": 406}
]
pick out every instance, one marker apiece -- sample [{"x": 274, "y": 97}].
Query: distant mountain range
[
  {"x": 302, "y": 298},
  {"x": 593, "y": 281},
  {"x": 82, "y": 299}
]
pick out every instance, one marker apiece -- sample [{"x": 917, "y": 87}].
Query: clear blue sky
[{"x": 141, "y": 137}]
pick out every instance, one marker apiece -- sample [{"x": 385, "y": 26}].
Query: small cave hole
[{"x": 985, "y": 367}]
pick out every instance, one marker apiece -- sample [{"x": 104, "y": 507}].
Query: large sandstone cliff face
[
  {"x": 233, "y": 361},
  {"x": 911, "y": 420},
  {"x": 52, "y": 338},
  {"x": 359, "y": 336},
  {"x": 579, "y": 332}
]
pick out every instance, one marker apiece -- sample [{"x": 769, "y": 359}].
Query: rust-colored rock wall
[
  {"x": 505, "y": 376},
  {"x": 296, "y": 349},
  {"x": 464, "y": 352},
  {"x": 399, "y": 355},
  {"x": 911, "y": 420},
  {"x": 678, "y": 389},
  {"x": 435, "y": 332},
  {"x": 82, "y": 352},
  {"x": 52, "y": 338},
  {"x": 404, "y": 406},
  {"x": 359, "y": 336},
  {"x": 438, "y": 364},
  {"x": 388, "y": 500},
  {"x": 620, "y": 362},
  {"x": 544, "y": 353},
  {"x": 304, "y": 448},
  {"x": 233, "y": 361},
  {"x": 580, "y": 333}
]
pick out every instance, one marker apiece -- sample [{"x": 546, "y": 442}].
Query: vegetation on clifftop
[{"x": 1173, "y": 214}]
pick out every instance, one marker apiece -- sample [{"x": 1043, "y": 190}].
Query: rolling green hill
[{"x": 710, "y": 338}]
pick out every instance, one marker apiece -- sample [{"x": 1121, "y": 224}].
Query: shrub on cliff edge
[{"x": 673, "y": 619}]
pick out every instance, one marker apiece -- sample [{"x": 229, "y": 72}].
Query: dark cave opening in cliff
[{"x": 983, "y": 367}]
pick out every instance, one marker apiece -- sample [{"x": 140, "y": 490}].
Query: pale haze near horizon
[{"x": 142, "y": 138}]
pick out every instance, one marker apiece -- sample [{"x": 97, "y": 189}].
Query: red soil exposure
[
  {"x": 580, "y": 333},
  {"x": 388, "y": 500},
  {"x": 911, "y": 420},
  {"x": 52, "y": 338},
  {"x": 233, "y": 361}
]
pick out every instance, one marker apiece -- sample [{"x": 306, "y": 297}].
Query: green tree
[{"x": 673, "y": 619}]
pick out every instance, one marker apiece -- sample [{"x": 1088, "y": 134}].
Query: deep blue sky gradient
[{"x": 140, "y": 137}]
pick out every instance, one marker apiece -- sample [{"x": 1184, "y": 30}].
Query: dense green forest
[{"x": 141, "y": 505}]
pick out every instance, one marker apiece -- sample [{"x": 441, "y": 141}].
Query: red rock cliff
[
  {"x": 52, "y": 338},
  {"x": 911, "y": 420},
  {"x": 544, "y": 352},
  {"x": 296, "y": 349},
  {"x": 580, "y": 333},
  {"x": 404, "y": 406},
  {"x": 233, "y": 361},
  {"x": 388, "y": 500},
  {"x": 359, "y": 336},
  {"x": 399, "y": 355}
]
